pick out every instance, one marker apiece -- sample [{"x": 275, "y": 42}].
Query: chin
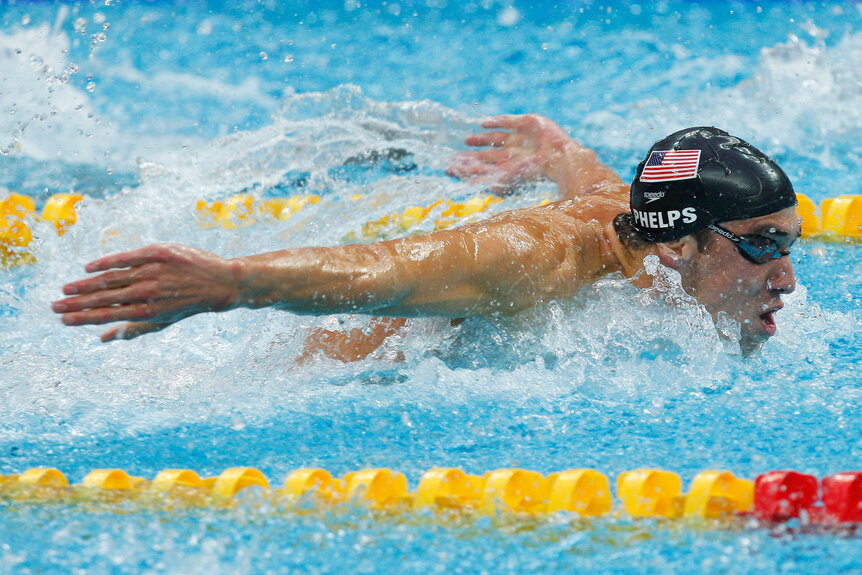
[{"x": 750, "y": 344}]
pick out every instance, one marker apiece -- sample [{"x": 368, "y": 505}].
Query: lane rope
[{"x": 641, "y": 493}]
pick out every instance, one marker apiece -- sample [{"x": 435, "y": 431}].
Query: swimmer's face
[{"x": 723, "y": 280}]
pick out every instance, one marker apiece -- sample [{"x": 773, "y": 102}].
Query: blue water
[{"x": 146, "y": 108}]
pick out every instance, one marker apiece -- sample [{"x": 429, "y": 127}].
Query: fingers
[
  {"x": 144, "y": 291},
  {"x": 478, "y": 163},
  {"x": 101, "y": 315},
  {"x": 105, "y": 281},
  {"x": 465, "y": 170},
  {"x": 130, "y": 259},
  {"x": 132, "y": 330},
  {"x": 505, "y": 121},
  {"x": 133, "y": 259},
  {"x": 496, "y": 139}
]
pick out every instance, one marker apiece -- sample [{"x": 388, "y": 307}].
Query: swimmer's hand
[
  {"x": 522, "y": 149},
  {"x": 532, "y": 147},
  {"x": 150, "y": 288}
]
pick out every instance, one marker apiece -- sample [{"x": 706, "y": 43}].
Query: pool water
[{"x": 147, "y": 108}]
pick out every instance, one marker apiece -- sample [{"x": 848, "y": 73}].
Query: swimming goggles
[{"x": 754, "y": 247}]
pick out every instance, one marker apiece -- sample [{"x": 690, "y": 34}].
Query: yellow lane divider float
[
  {"x": 243, "y": 209},
  {"x": 644, "y": 493},
  {"x": 398, "y": 223},
  {"x": 840, "y": 217},
  {"x": 15, "y": 234}
]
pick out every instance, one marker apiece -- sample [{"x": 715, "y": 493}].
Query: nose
[{"x": 781, "y": 279}]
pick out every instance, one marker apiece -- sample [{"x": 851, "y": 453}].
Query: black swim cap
[{"x": 700, "y": 176}]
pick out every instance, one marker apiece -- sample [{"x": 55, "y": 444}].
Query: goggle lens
[{"x": 754, "y": 247}]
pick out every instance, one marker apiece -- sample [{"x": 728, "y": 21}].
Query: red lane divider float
[
  {"x": 783, "y": 495},
  {"x": 841, "y": 494},
  {"x": 773, "y": 497}
]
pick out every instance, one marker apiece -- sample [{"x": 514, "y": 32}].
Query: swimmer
[{"x": 707, "y": 204}]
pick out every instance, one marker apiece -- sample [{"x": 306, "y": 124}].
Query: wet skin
[{"x": 722, "y": 280}]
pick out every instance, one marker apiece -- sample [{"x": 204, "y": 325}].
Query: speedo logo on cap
[
  {"x": 653, "y": 196},
  {"x": 671, "y": 165},
  {"x": 668, "y": 219}
]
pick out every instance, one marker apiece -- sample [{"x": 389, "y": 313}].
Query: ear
[
  {"x": 677, "y": 252},
  {"x": 630, "y": 259}
]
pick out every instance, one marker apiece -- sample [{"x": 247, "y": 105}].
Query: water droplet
[
  {"x": 205, "y": 28},
  {"x": 508, "y": 16}
]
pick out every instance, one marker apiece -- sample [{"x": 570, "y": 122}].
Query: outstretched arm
[
  {"x": 500, "y": 265},
  {"x": 530, "y": 147}
]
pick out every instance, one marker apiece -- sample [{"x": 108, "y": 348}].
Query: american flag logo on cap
[{"x": 671, "y": 165}]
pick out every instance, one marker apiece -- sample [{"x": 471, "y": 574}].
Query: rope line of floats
[
  {"x": 774, "y": 496},
  {"x": 839, "y": 218}
]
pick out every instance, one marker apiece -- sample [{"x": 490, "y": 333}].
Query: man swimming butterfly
[{"x": 707, "y": 204}]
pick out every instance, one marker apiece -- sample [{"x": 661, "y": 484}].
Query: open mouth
[{"x": 767, "y": 320}]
